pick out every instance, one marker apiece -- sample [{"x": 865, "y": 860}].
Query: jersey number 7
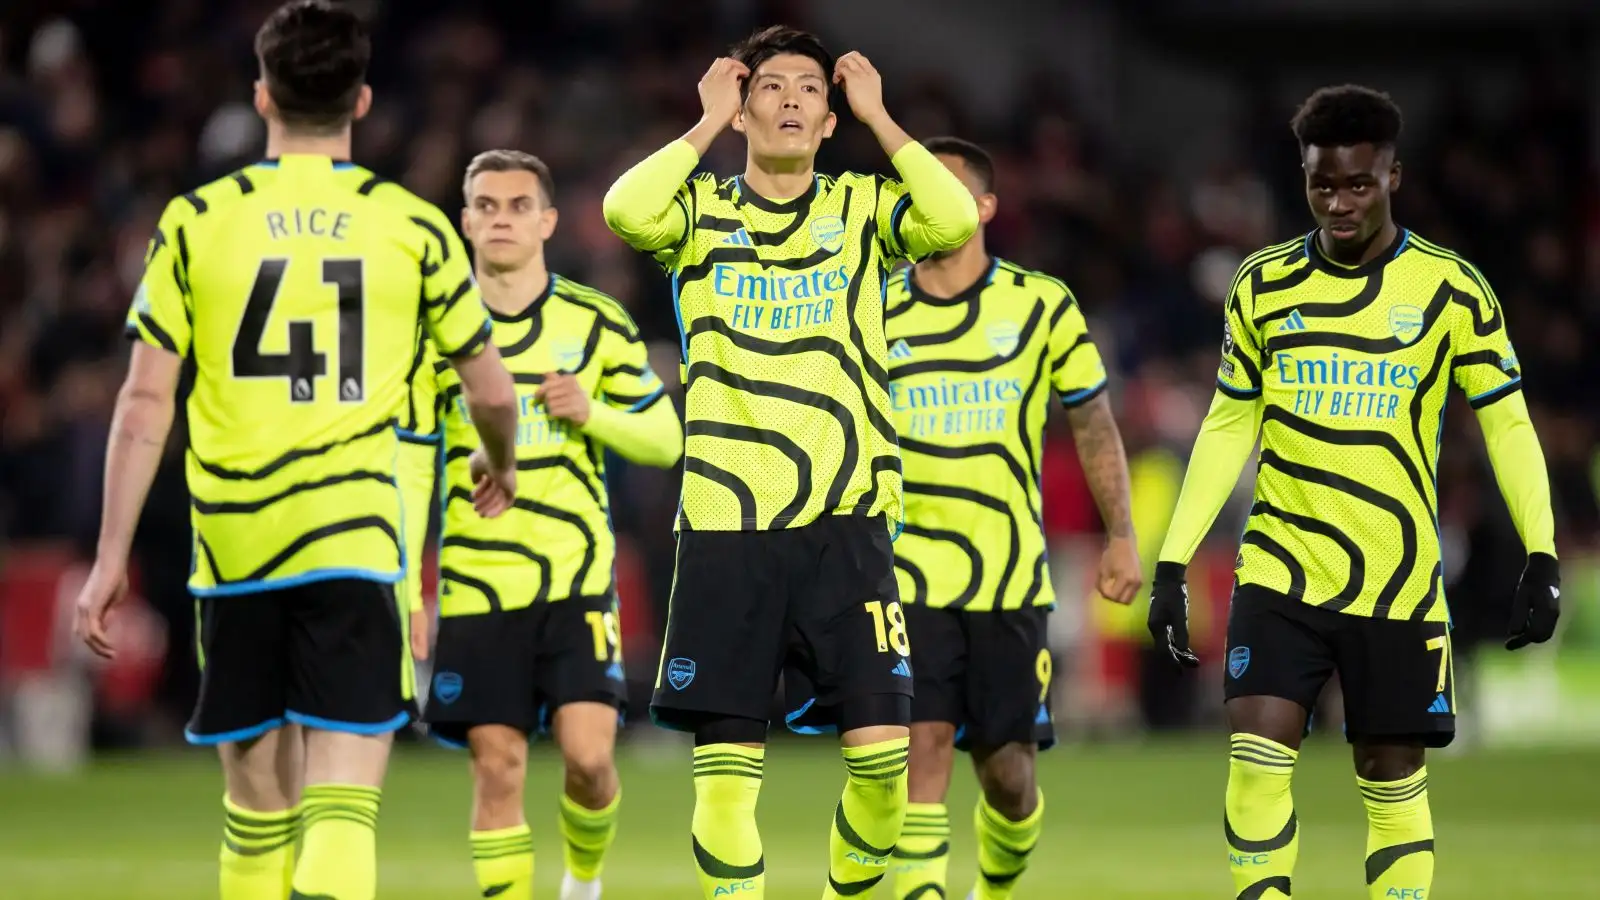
[{"x": 303, "y": 365}]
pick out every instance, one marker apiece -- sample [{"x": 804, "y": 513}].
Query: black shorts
[
  {"x": 987, "y": 673},
  {"x": 817, "y": 605},
  {"x": 329, "y": 654},
  {"x": 517, "y": 667},
  {"x": 1397, "y": 675}
]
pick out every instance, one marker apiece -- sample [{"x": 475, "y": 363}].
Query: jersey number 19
[{"x": 303, "y": 365}]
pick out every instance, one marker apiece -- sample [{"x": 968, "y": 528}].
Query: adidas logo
[
  {"x": 1440, "y": 705},
  {"x": 901, "y": 668},
  {"x": 739, "y": 238},
  {"x": 1043, "y": 717},
  {"x": 900, "y": 350},
  {"x": 615, "y": 672},
  {"x": 1293, "y": 323}
]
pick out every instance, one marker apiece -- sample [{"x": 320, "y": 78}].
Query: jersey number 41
[{"x": 303, "y": 365}]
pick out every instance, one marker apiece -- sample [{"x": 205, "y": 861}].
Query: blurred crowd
[{"x": 104, "y": 117}]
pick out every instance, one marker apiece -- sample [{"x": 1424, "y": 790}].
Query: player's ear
[
  {"x": 547, "y": 222},
  {"x": 363, "y": 104},
  {"x": 738, "y": 120},
  {"x": 988, "y": 205},
  {"x": 466, "y": 221},
  {"x": 1394, "y": 177},
  {"x": 828, "y": 124},
  {"x": 262, "y": 100}
]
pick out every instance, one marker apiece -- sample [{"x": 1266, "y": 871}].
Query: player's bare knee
[
  {"x": 253, "y": 777},
  {"x": 1274, "y": 718},
  {"x": 1388, "y": 762},
  {"x": 1007, "y": 777},
  {"x": 591, "y": 775},
  {"x": 498, "y": 768}
]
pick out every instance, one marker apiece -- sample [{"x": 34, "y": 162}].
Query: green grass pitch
[{"x": 1123, "y": 821}]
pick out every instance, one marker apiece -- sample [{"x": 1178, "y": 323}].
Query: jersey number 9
[{"x": 303, "y": 365}]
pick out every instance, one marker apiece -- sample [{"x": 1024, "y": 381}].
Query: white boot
[{"x": 573, "y": 889}]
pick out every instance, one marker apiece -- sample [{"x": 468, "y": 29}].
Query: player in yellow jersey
[
  {"x": 977, "y": 345},
  {"x": 528, "y": 630},
  {"x": 292, "y": 288},
  {"x": 1339, "y": 351},
  {"x": 791, "y": 476}
]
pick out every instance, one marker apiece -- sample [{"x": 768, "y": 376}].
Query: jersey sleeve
[
  {"x": 894, "y": 201},
  {"x": 422, "y": 419},
  {"x": 161, "y": 314},
  {"x": 452, "y": 309},
  {"x": 627, "y": 382},
  {"x": 1239, "y": 372},
  {"x": 1485, "y": 365},
  {"x": 651, "y": 206},
  {"x": 927, "y": 210},
  {"x": 1076, "y": 370}
]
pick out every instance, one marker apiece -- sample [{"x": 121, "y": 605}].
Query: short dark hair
[
  {"x": 1346, "y": 115},
  {"x": 511, "y": 161},
  {"x": 976, "y": 158},
  {"x": 314, "y": 57},
  {"x": 775, "y": 40}
]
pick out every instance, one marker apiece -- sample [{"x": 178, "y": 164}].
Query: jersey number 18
[{"x": 303, "y": 365}]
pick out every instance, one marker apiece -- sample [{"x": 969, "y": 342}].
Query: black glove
[
  {"x": 1537, "y": 603},
  {"x": 1169, "y": 613}
]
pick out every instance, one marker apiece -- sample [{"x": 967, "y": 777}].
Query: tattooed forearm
[{"x": 1105, "y": 464}]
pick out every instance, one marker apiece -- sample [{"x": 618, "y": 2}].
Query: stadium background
[{"x": 1141, "y": 155}]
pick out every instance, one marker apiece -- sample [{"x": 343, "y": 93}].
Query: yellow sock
[
  {"x": 588, "y": 834},
  {"x": 1003, "y": 848},
  {"x": 867, "y": 821},
  {"x": 1263, "y": 831},
  {"x": 727, "y": 846},
  {"x": 339, "y": 856},
  {"x": 257, "y": 852},
  {"x": 922, "y": 857},
  {"x": 1399, "y": 837},
  {"x": 503, "y": 861}
]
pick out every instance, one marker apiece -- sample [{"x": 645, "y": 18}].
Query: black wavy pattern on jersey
[
  {"x": 1418, "y": 396},
  {"x": 308, "y": 538},
  {"x": 1358, "y": 560},
  {"x": 841, "y": 414},
  {"x": 816, "y": 343},
  {"x": 976, "y": 365},
  {"x": 919, "y": 581},
  {"x": 802, "y": 211},
  {"x": 970, "y": 451},
  {"x": 772, "y": 438},
  {"x": 965, "y": 545},
  {"x": 229, "y": 507},
  {"x": 417, "y": 355},
  {"x": 1252, "y": 367},
  {"x": 879, "y": 464},
  {"x": 690, "y": 274},
  {"x": 1260, "y": 285},
  {"x": 1484, "y": 358},
  {"x": 483, "y": 587},
  {"x": 438, "y": 238},
  {"x": 1038, "y": 581},
  {"x": 1356, "y": 437},
  {"x": 1444, "y": 295},
  {"x": 601, "y": 319},
  {"x": 1297, "y": 572},
  {"x": 1408, "y": 529},
  {"x": 621, "y": 369},
  {"x": 512, "y": 547},
  {"x": 741, "y": 491},
  {"x": 1435, "y": 578},
  {"x": 852, "y": 300},
  {"x": 156, "y": 331},
  {"x": 1371, "y": 287},
  {"x": 1026, "y": 406},
  {"x": 210, "y": 558},
  {"x": 987, "y": 502},
  {"x": 453, "y": 390},
  {"x": 557, "y": 461},
  {"x": 943, "y": 337},
  {"x": 520, "y": 345},
  {"x": 548, "y": 512},
  {"x": 385, "y": 426}
]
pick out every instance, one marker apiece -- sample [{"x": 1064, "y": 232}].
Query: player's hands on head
[
  {"x": 862, "y": 84},
  {"x": 563, "y": 396},
  {"x": 492, "y": 492},
  {"x": 720, "y": 94},
  {"x": 1169, "y": 613},
  {"x": 105, "y": 587},
  {"x": 1120, "y": 575},
  {"x": 1537, "y": 603}
]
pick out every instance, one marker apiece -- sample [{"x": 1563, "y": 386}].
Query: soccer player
[
  {"x": 292, "y": 288},
  {"x": 528, "y": 632},
  {"x": 976, "y": 345},
  {"x": 1339, "y": 349},
  {"x": 791, "y": 475}
]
